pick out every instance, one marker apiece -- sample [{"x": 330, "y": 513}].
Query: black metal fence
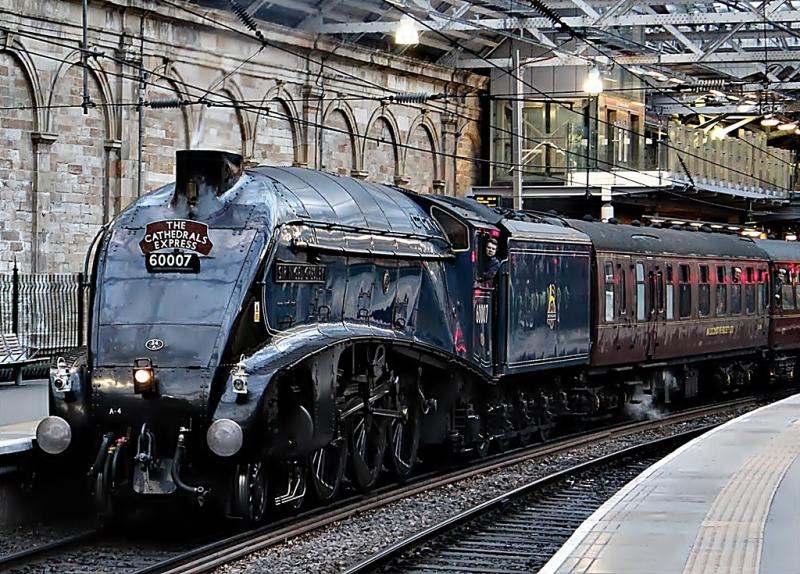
[{"x": 46, "y": 311}]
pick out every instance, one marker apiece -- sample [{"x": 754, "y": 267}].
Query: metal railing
[{"x": 45, "y": 310}]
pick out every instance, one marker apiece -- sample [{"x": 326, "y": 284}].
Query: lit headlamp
[
  {"x": 60, "y": 376},
  {"x": 144, "y": 377},
  {"x": 239, "y": 378}
]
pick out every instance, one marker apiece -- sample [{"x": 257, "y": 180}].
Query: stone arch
[
  {"x": 165, "y": 131},
  {"x": 20, "y": 54},
  {"x": 467, "y": 168},
  {"x": 213, "y": 129},
  {"x": 421, "y": 156},
  {"x": 337, "y": 140},
  {"x": 96, "y": 73},
  {"x": 381, "y": 162},
  {"x": 78, "y": 199},
  {"x": 169, "y": 74},
  {"x": 17, "y": 189},
  {"x": 276, "y": 132}
]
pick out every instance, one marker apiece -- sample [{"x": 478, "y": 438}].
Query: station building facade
[{"x": 298, "y": 100}]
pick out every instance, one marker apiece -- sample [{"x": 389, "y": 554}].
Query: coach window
[
  {"x": 704, "y": 294},
  {"x": 749, "y": 290},
  {"x": 670, "y": 295},
  {"x": 684, "y": 292},
  {"x": 763, "y": 289},
  {"x": 722, "y": 291},
  {"x": 736, "y": 291},
  {"x": 609, "y": 273},
  {"x": 784, "y": 293},
  {"x": 640, "y": 291},
  {"x": 623, "y": 292}
]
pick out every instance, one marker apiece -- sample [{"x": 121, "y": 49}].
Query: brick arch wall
[
  {"x": 420, "y": 165},
  {"x": 337, "y": 144},
  {"x": 380, "y": 152},
  {"x": 164, "y": 132},
  {"x": 73, "y": 206},
  {"x": 274, "y": 138},
  {"x": 219, "y": 127},
  {"x": 468, "y": 171},
  {"x": 16, "y": 166}
]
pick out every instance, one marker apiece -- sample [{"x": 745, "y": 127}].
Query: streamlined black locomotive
[{"x": 258, "y": 336}]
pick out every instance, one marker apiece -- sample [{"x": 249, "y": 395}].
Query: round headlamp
[
  {"x": 53, "y": 435},
  {"x": 224, "y": 437}
]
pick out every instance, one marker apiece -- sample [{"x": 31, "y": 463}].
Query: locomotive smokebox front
[{"x": 171, "y": 278}]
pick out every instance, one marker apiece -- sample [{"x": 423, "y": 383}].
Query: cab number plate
[{"x": 172, "y": 263}]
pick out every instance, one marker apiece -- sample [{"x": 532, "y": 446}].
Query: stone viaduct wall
[{"x": 299, "y": 100}]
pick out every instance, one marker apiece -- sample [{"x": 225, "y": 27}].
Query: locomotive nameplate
[
  {"x": 175, "y": 246},
  {"x": 300, "y": 273},
  {"x": 176, "y": 234}
]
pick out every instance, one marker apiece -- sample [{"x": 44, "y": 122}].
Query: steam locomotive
[{"x": 261, "y": 336}]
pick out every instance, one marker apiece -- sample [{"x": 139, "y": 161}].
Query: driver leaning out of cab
[{"x": 492, "y": 263}]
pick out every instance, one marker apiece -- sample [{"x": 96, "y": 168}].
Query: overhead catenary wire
[
  {"x": 514, "y": 73},
  {"x": 469, "y": 118}
]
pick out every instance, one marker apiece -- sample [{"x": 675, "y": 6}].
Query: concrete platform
[
  {"x": 727, "y": 502},
  {"x": 21, "y": 408}
]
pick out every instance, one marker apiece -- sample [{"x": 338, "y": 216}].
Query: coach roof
[{"x": 654, "y": 241}]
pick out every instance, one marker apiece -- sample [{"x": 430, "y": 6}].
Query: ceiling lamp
[
  {"x": 406, "y": 33},
  {"x": 770, "y": 121},
  {"x": 593, "y": 84},
  {"x": 787, "y": 126}
]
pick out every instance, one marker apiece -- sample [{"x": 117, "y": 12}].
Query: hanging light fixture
[
  {"x": 787, "y": 126},
  {"x": 406, "y": 33},
  {"x": 593, "y": 84}
]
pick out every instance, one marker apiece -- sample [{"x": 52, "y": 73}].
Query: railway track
[
  {"x": 521, "y": 530},
  {"x": 224, "y": 551},
  {"x": 148, "y": 556}
]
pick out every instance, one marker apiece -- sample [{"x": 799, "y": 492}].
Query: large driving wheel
[
  {"x": 404, "y": 440},
  {"x": 366, "y": 437},
  {"x": 249, "y": 493},
  {"x": 326, "y": 468}
]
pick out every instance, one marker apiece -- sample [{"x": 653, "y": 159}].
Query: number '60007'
[{"x": 169, "y": 259}]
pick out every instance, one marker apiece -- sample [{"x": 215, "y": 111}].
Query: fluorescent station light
[
  {"x": 770, "y": 121},
  {"x": 406, "y": 33},
  {"x": 593, "y": 84},
  {"x": 791, "y": 237},
  {"x": 788, "y": 126},
  {"x": 677, "y": 222},
  {"x": 696, "y": 224},
  {"x": 716, "y": 226}
]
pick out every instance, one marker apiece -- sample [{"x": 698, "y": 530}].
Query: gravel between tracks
[
  {"x": 340, "y": 545},
  {"x": 337, "y": 546}
]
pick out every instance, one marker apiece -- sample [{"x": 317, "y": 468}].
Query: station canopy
[{"x": 730, "y": 52}]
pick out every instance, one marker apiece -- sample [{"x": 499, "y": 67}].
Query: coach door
[{"x": 657, "y": 308}]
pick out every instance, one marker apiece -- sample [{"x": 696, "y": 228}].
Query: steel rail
[
  {"x": 42, "y": 551},
  {"x": 390, "y": 553},
  {"x": 215, "y": 554}
]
